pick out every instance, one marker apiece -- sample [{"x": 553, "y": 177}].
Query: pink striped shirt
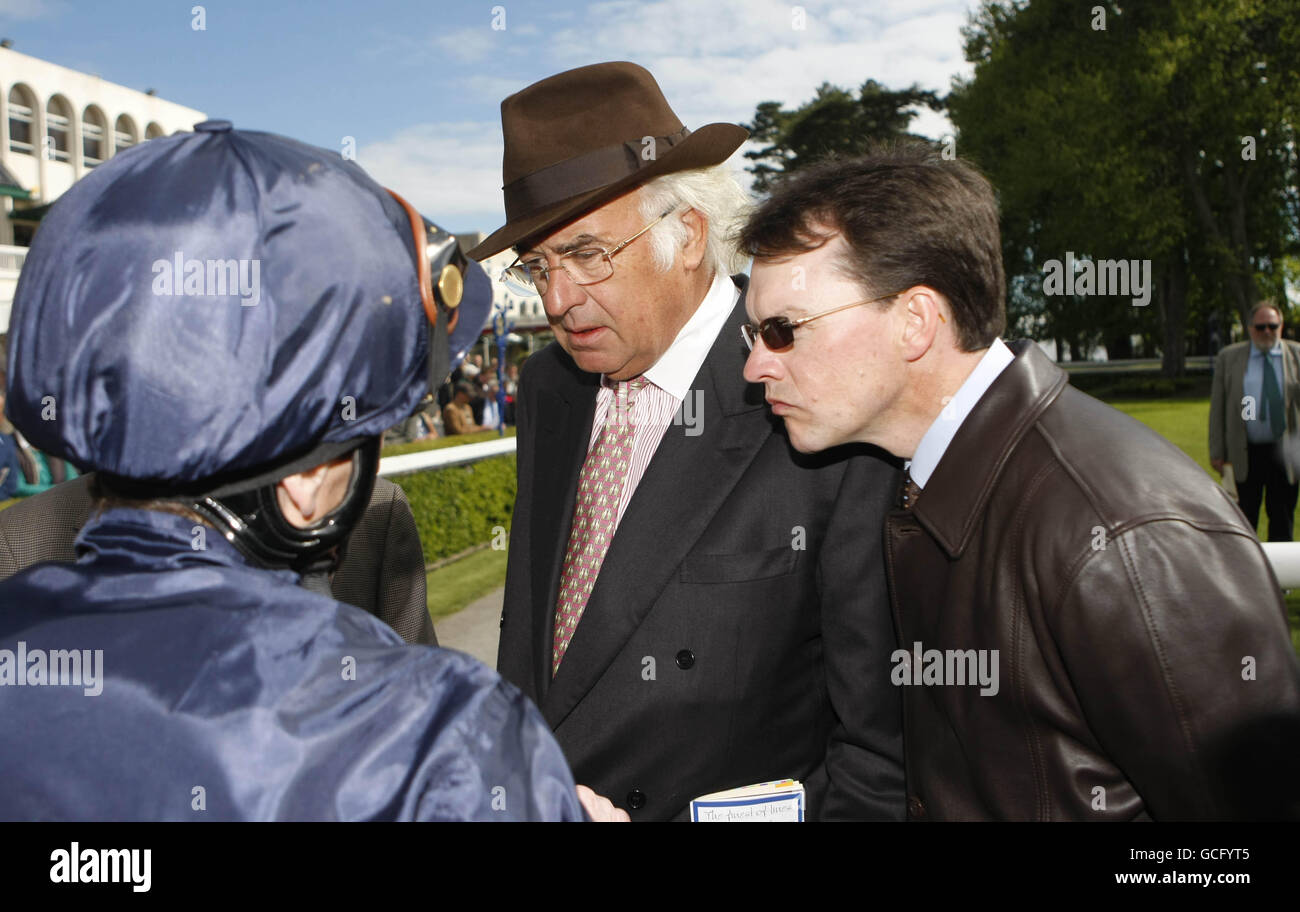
[{"x": 669, "y": 384}]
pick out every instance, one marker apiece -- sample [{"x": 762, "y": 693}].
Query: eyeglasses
[
  {"x": 1263, "y": 326},
  {"x": 777, "y": 333},
  {"x": 584, "y": 266}
]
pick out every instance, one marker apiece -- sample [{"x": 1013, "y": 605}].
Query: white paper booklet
[{"x": 766, "y": 802}]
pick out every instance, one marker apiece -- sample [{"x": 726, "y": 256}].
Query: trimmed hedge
[
  {"x": 457, "y": 507},
  {"x": 1107, "y": 385}
]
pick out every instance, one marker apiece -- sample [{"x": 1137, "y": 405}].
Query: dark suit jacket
[
  {"x": 739, "y": 630},
  {"x": 382, "y": 571}
]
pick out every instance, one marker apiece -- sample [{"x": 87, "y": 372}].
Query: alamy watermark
[
  {"x": 1100, "y": 277},
  {"x": 689, "y": 415},
  {"x": 954, "y": 667},
  {"x": 179, "y": 277},
  {"x": 53, "y": 668},
  {"x": 78, "y": 865}
]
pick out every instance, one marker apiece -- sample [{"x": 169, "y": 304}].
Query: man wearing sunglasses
[
  {"x": 688, "y": 600},
  {"x": 1087, "y": 628},
  {"x": 177, "y": 671},
  {"x": 1254, "y": 405}
]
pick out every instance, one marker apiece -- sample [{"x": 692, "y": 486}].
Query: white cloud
[
  {"x": 490, "y": 88},
  {"x": 473, "y": 44},
  {"x": 714, "y": 62},
  {"x": 29, "y": 9},
  {"x": 717, "y": 61},
  {"x": 451, "y": 172}
]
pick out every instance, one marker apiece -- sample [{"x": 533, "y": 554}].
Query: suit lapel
[
  {"x": 1290, "y": 371},
  {"x": 687, "y": 481},
  {"x": 1237, "y": 383},
  {"x": 564, "y": 416}
]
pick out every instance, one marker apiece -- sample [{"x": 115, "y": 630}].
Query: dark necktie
[{"x": 1273, "y": 400}]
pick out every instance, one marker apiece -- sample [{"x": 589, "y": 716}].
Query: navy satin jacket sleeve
[{"x": 163, "y": 678}]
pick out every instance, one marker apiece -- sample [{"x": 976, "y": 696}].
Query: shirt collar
[
  {"x": 1276, "y": 350},
  {"x": 677, "y": 368},
  {"x": 935, "y": 442}
]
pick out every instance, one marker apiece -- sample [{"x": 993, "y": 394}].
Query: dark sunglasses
[
  {"x": 777, "y": 333},
  {"x": 1263, "y": 326}
]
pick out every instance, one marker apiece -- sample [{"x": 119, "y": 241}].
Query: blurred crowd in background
[
  {"x": 470, "y": 401},
  {"x": 24, "y": 470}
]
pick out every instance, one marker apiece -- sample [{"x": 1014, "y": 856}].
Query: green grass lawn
[
  {"x": 1185, "y": 422},
  {"x": 454, "y": 586}
]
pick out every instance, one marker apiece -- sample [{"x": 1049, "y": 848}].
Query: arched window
[
  {"x": 124, "y": 134},
  {"x": 22, "y": 119},
  {"x": 94, "y": 126},
  {"x": 153, "y": 131},
  {"x": 58, "y": 127}
]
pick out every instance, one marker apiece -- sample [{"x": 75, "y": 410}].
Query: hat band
[{"x": 589, "y": 171}]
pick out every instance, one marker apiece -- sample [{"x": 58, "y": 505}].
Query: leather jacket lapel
[{"x": 954, "y": 498}]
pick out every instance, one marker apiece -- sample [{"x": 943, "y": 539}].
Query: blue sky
[{"x": 418, "y": 85}]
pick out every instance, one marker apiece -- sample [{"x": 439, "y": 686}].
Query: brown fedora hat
[{"x": 579, "y": 138}]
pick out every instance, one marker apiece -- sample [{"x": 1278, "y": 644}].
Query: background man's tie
[
  {"x": 1273, "y": 401},
  {"x": 599, "y": 488}
]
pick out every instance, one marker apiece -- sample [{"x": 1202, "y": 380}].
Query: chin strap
[{"x": 253, "y": 522}]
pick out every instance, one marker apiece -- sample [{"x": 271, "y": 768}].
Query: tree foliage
[
  {"x": 1150, "y": 131},
  {"x": 834, "y": 122}
]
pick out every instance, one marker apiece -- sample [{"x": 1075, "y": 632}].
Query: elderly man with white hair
[{"x": 690, "y": 602}]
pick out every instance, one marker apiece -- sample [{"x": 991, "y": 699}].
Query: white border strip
[{"x": 447, "y": 456}]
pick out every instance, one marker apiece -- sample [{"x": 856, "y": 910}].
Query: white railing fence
[
  {"x": 1284, "y": 556},
  {"x": 11, "y": 263},
  {"x": 447, "y": 456}
]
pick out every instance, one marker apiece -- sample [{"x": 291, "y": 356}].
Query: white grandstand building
[{"x": 56, "y": 124}]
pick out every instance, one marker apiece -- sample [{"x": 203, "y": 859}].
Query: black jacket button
[
  {"x": 636, "y": 799},
  {"x": 915, "y": 808},
  {"x": 685, "y": 659}
]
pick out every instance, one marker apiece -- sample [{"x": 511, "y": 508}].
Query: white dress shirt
[
  {"x": 669, "y": 383},
  {"x": 936, "y": 440},
  {"x": 1259, "y": 429}
]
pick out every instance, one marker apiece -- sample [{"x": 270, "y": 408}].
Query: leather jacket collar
[{"x": 953, "y": 501}]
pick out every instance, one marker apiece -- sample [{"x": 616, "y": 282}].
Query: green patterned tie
[{"x": 1273, "y": 400}]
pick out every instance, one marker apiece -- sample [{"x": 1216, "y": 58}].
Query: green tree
[
  {"x": 1119, "y": 132},
  {"x": 834, "y": 122}
]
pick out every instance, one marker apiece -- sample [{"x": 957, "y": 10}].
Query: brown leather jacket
[{"x": 1144, "y": 667}]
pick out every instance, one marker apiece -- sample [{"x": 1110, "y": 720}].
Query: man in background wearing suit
[
  {"x": 1251, "y": 412},
  {"x": 693, "y": 606}
]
